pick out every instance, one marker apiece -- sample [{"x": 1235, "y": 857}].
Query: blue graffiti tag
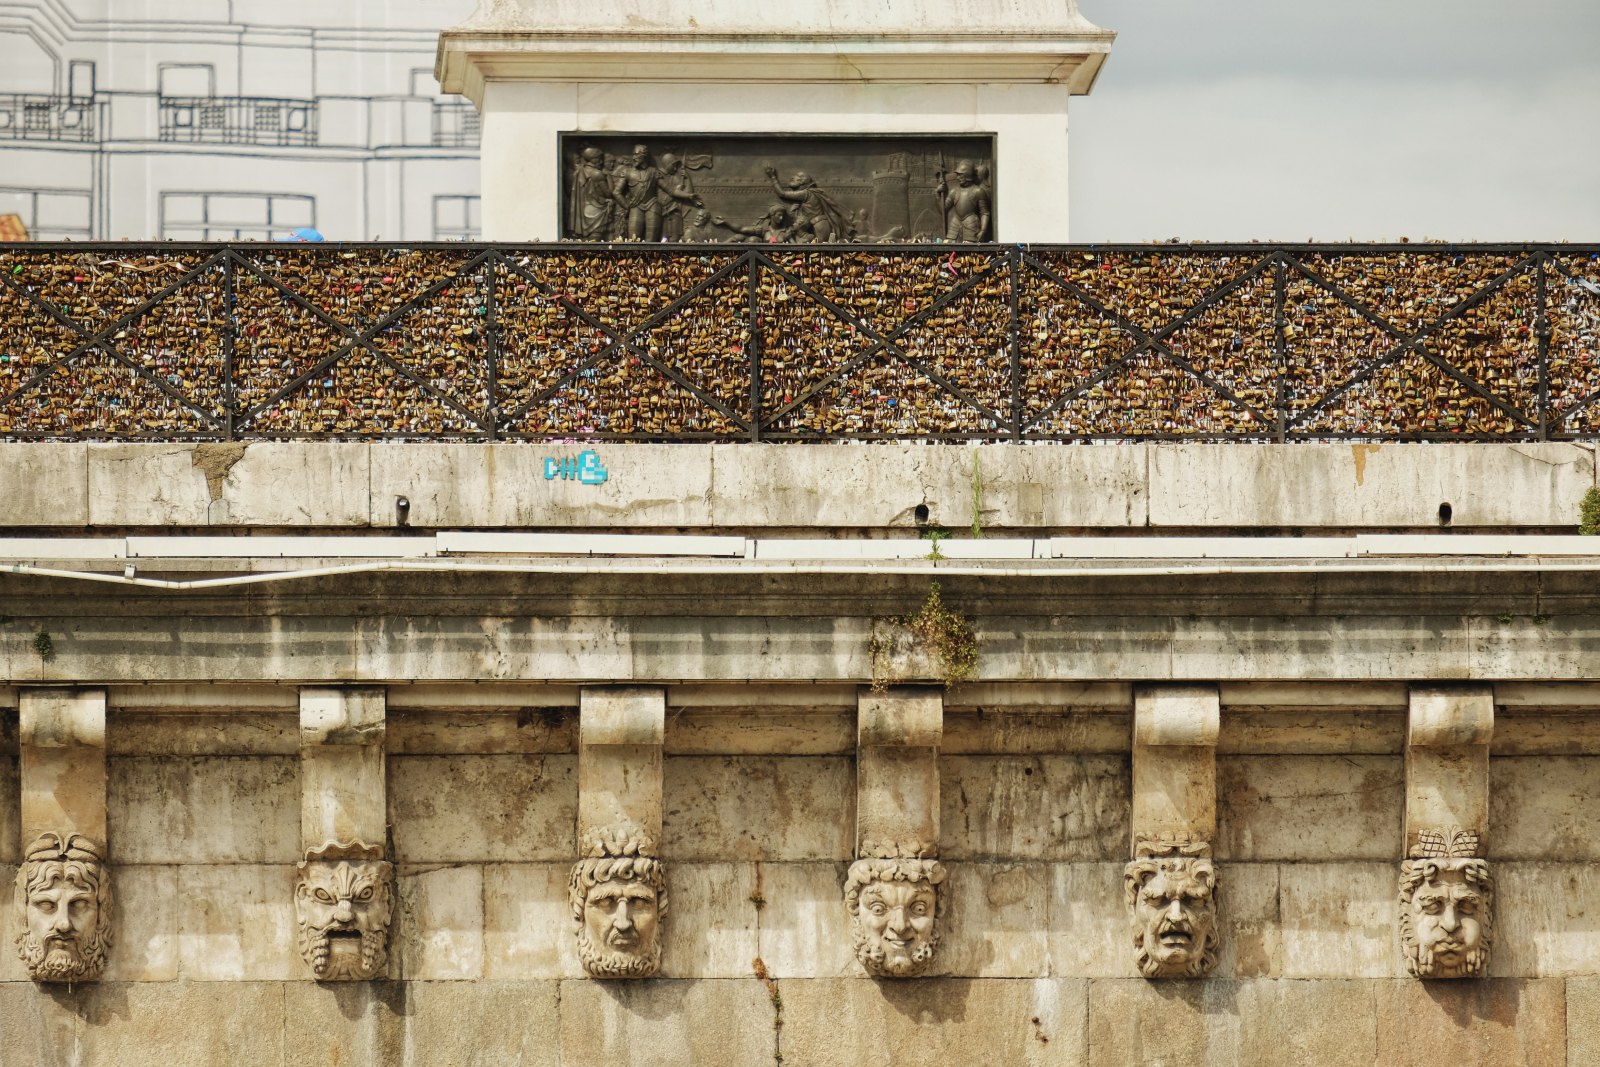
[{"x": 587, "y": 468}]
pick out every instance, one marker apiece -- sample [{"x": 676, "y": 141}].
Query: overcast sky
[{"x": 1217, "y": 120}]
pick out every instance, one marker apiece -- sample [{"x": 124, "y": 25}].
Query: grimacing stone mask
[
  {"x": 618, "y": 894},
  {"x": 63, "y": 909},
  {"x": 895, "y": 906},
  {"x": 1172, "y": 900},
  {"x": 343, "y": 903}
]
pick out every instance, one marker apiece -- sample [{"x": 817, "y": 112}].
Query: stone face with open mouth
[
  {"x": 1172, "y": 899},
  {"x": 343, "y": 905}
]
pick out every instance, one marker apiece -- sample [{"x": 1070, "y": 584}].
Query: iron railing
[
  {"x": 41, "y": 117},
  {"x": 257, "y": 120},
  {"x": 777, "y": 342}
]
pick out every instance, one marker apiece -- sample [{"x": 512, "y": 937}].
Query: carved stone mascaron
[
  {"x": 1446, "y": 906},
  {"x": 63, "y": 908},
  {"x": 618, "y": 894},
  {"x": 343, "y": 905},
  {"x": 1171, "y": 888}
]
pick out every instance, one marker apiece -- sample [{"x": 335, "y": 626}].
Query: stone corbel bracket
[
  {"x": 344, "y": 886},
  {"x": 1446, "y": 885},
  {"x": 618, "y": 887},
  {"x": 63, "y": 895},
  {"x": 1171, "y": 884},
  {"x": 895, "y": 891}
]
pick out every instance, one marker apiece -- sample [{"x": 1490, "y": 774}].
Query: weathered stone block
[
  {"x": 209, "y": 733},
  {"x": 1309, "y": 808},
  {"x": 1087, "y": 932},
  {"x": 438, "y": 931},
  {"x": 1544, "y": 919},
  {"x": 1338, "y": 920},
  {"x": 1499, "y": 1021},
  {"x": 1202, "y": 1024},
  {"x": 459, "y": 1024},
  {"x": 184, "y": 1024},
  {"x": 711, "y": 924},
  {"x": 527, "y": 922},
  {"x": 758, "y": 808},
  {"x": 290, "y": 483},
  {"x": 10, "y": 812},
  {"x": 1250, "y": 913},
  {"x": 1035, "y": 807},
  {"x": 933, "y": 1022},
  {"x": 803, "y": 927},
  {"x": 197, "y": 809},
  {"x": 45, "y": 484},
  {"x": 522, "y": 807},
  {"x": 1583, "y": 1021},
  {"x": 705, "y": 1023},
  {"x": 144, "y": 485},
  {"x": 1545, "y": 807},
  {"x": 148, "y": 906},
  {"x": 236, "y": 924},
  {"x": 996, "y": 924},
  {"x": 1365, "y": 485}
]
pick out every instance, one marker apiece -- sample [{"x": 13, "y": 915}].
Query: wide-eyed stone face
[
  {"x": 1445, "y": 917},
  {"x": 895, "y": 924},
  {"x": 65, "y": 930},
  {"x": 894, "y": 914},
  {"x": 1174, "y": 916},
  {"x": 343, "y": 909}
]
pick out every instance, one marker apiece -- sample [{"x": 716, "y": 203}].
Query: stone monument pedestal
[{"x": 546, "y": 72}]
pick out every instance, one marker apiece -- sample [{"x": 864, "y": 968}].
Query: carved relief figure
[
  {"x": 343, "y": 903},
  {"x": 637, "y": 187},
  {"x": 63, "y": 909},
  {"x": 1446, "y": 899},
  {"x": 817, "y": 216},
  {"x": 593, "y": 202},
  {"x": 618, "y": 893},
  {"x": 676, "y": 190},
  {"x": 1171, "y": 889},
  {"x": 895, "y": 906},
  {"x": 775, "y": 227},
  {"x": 967, "y": 209}
]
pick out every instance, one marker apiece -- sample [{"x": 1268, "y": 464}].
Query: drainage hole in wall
[
  {"x": 921, "y": 513},
  {"x": 1444, "y": 513}
]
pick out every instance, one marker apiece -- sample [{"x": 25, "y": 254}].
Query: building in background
[{"x": 213, "y": 120}]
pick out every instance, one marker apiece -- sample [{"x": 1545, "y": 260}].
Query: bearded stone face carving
[
  {"x": 343, "y": 903},
  {"x": 1172, "y": 897},
  {"x": 618, "y": 894},
  {"x": 1446, "y": 896},
  {"x": 895, "y": 906},
  {"x": 63, "y": 909}
]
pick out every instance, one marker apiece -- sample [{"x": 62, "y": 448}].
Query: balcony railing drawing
[
  {"x": 456, "y": 124},
  {"x": 36, "y": 117},
  {"x": 788, "y": 343},
  {"x": 256, "y": 120}
]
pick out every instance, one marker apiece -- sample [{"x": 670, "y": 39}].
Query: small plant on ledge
[{"x": 944, "y": 635}]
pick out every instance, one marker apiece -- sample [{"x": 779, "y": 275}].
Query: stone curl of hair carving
[{"x": 63, "y": 908}]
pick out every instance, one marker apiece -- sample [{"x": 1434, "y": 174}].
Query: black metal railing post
[
  {"x": 491, "y": 343},
  {"x": 1541, "y": 330},
  {"x": 753, "y": 344},
  {"x": 230, "y": 339},
  {"x": 1014, "y": 338},
  {"x": 1280, "y": 404}
]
